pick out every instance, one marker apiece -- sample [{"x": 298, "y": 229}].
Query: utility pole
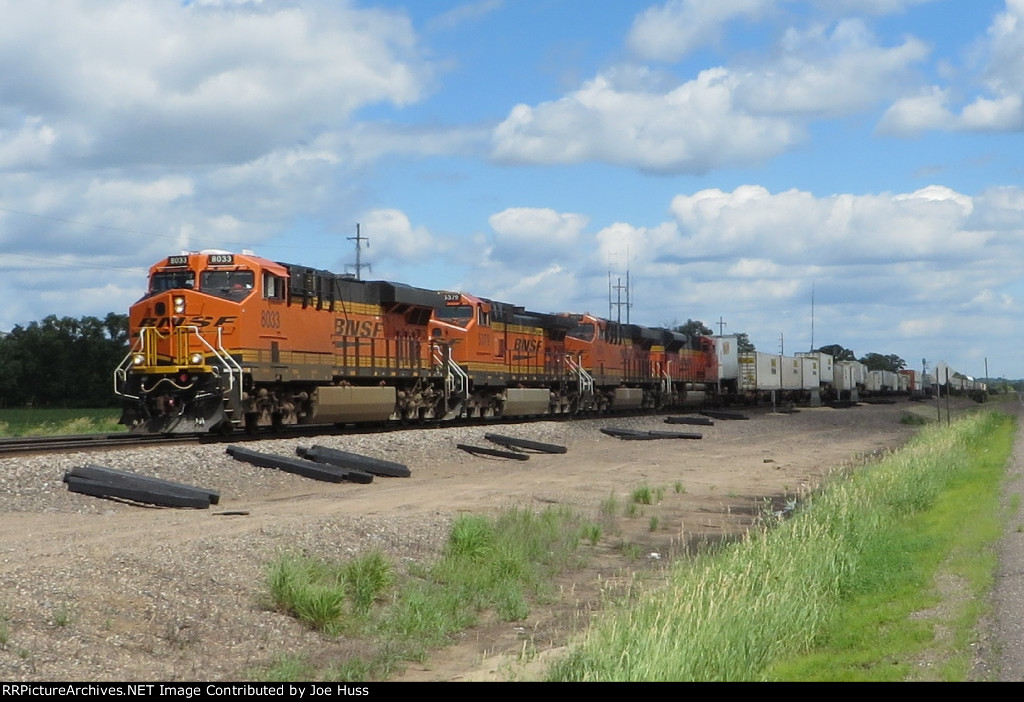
[
  {"x": 721, "y": 326},
  {"x": 619, "y": 304},
  {"x": 812, "y": 317},
  {"x": 359, "y": 239}
]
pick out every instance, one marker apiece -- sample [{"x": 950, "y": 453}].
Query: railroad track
[
  {"x": 90, "y": 442},
  {"x": 82, "y": 442}
]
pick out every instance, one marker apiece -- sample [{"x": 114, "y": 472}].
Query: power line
[
  {"x": 56, "y": 262},
  {"x": 140, "y": 232}
]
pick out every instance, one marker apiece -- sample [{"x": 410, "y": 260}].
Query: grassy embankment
[
  {"x": 490, "y": 567},
  {"x": 58, "y": 422},
  {"x": 881, "y": 576}
]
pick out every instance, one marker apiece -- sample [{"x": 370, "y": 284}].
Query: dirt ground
[{"x": 97, "y": 590}]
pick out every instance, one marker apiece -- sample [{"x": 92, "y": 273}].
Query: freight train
[{"x": 223, "y": 341}]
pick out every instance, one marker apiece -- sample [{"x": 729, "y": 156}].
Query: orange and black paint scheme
[
  {"x": 504, "y": 352},
  {"x": 640, "y": 366},
  {"x": 223, "y": 341}
]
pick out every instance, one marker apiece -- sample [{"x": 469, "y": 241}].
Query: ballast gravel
[{"x": 105, "y": 590}]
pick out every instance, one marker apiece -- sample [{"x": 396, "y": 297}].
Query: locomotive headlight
[
  {"x": 179, "y": 304},
  {"x": 196, "y": 359},
  {"x": 138, "y": 359}
]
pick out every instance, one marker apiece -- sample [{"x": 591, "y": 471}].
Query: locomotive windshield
[
  {"x": 231, "y": 285},
  {"x": 175, "y": 280},
  {"x": 583, "y": 332},
  {"x": 459, "y": 315}
]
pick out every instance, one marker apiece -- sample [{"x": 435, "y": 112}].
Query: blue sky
[{"x": 733, "y": 155}]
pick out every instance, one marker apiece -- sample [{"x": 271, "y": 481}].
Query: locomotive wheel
[{"x": 251, "y": 423}]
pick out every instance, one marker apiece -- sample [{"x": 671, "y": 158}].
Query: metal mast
[{"x": 359, "y": 239}]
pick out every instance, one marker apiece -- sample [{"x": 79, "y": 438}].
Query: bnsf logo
[
  {"x": 354, "y": 327},
  {"x": 527, "y": 345},
  {"x": 197, "y": 321}
]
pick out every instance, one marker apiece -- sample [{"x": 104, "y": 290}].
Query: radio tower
[
  {"x": 359, "y": 239},
  {"x": 618, "y": 304}
]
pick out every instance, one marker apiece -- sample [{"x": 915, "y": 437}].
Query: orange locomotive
[
  {"x": 502, "y": 359},
  {"x": 628, "y": 366},
  {"x": 224, "y": 340}
]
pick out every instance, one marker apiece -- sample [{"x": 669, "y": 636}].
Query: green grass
[
  {"x": 5, "y": 631},
  {"x": 325, "y": 595},
  {"x": 496, "y": 566},
  {"x": 911, "y": 419},
  {"x": 287, "y": 668},
  {"x": 942, "y": 556},
  {"x": 56, "y": 422},
  {"x": 845, "y": 589},
  {"x": 646, "y": 495}
]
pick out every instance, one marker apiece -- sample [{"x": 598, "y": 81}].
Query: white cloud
[
  {"x": 465, "y": 13},
  {"x": 878, "y": 262},
  {"x": 670, "y": 31},
  {"x": 724, "y": 117},
  {"x": 999, "y": 115},
  {"x": 1005, "y": 72},
  {"x": 912, "y": 115},
  {"x": 797, "y": 227},
  {"x": 547, "y": 289},
  {"x": 692, "y": 128},
  {"x": 1000, "y": 110},
  {"x": 868, "y": 7},
  {"x": 29, "y": 145},
  {"x": 534, "y": 234},
  {"x": 132, "y": 129},
  {"x": 393, "y": 236},
  {"x": 829, "y": 73},
  {"x": 142, "y": 82}
]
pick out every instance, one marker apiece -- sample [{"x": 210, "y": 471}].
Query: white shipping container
[
  {"x": 759, "y": 371},
  {"x": 728, "y": 357},
  {"x": 847, "y": 375},
  {"x": 810, "y": 372},
  {"x": 826, "y": 368},
  {"x": 874, "y": 382},
  {"x": 792, "y": 373}
]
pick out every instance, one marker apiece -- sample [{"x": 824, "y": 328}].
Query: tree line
[
  {"x": 874, "y": 361},
  {"x": 62, "y": 362}
]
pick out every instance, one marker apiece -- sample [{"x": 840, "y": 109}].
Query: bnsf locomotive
[{"x": 223, "y": 341}]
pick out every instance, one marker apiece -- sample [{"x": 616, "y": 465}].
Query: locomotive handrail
[
  {"x": 586, "y": 380},
  {"x": 456, "y": 380},
  {"x": 221, "y": 354},
  {"x": 121, "y": 371}
]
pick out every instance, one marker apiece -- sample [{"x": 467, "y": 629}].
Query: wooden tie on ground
[
  {"x": 100, "y": 481},
  {"x": 514, "y": 442},
  {"x": 299, "y": 466},
  {"x": 354, "y": 461},
  {"x": 723, "y": 414},
  {"x": 634, "y": 435},
  {"x": 493, "y": 452},
  {"x": 701, "y": 421}
]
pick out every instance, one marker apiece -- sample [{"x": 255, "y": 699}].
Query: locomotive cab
[
  {"x": 179, "y": 375},
  {"x": 501, "y": 357}
]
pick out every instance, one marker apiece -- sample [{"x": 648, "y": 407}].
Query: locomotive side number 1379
[{"x": 270, "y": 319}]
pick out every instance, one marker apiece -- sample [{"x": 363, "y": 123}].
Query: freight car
[{"x": 223, "y": 341}]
